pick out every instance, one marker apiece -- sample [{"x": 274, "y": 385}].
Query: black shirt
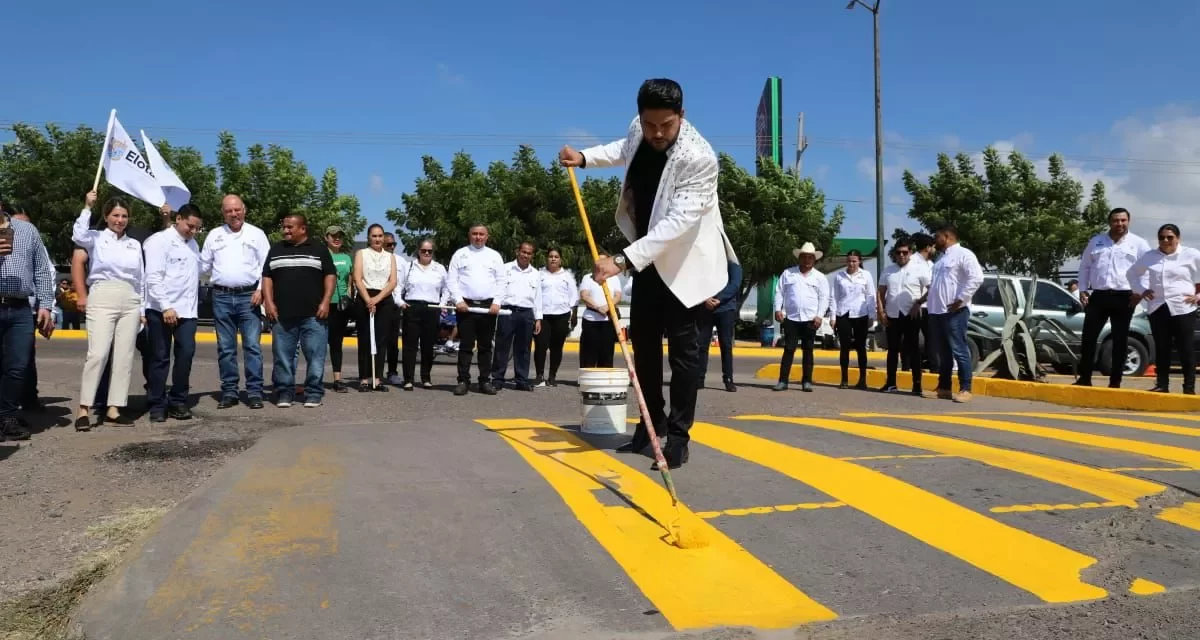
[
  {"x": 645, "y": 171},
  {"x": 298, "y": 272}
]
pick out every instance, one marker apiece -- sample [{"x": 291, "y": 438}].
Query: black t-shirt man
[{"x": 298, "y": 272}]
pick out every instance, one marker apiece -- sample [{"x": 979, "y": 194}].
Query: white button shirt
[
  {"x": 956, "y": 276},
  {"x": 423, "y": 283},
  {"x": 903, "y": 286},
  {"x": 853, "y": 295},
  {"x": 235, "y": 259},
  {"x": 110, "y": 257},
  {"x": 523, "y": 288},
  {"x": 401, "y": 265},
  {"x": 1171, "y": 277},
  {"x": 477, "y": 274},
  {"x": 559, "y": 293},
  {"x": 802, "y": 296},
  {"x": 1105, "y": 264},
  {"x": 589, "y": 285},
  {"x": 172, "y": 273}
]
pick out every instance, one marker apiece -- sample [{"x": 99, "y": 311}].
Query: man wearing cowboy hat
[{"x": 801, "y": 300}]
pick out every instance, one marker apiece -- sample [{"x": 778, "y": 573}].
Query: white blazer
[{"x": 686, "y": 240}]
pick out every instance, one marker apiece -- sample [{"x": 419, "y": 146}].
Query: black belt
[
  {"x": 481, "y": 302},
  {"x": 242, "y": 289},
  {"x": 513, "y": 307},
  {"x": 14, "y": 302},
  {"x": 419, "y": 303}
]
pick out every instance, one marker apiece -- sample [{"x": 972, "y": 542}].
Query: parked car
[{"x": 1051, "y": 301}]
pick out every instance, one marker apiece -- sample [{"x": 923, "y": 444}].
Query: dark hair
[
  {"x": 903, "y": 242},
  {"x": 389, "y": 233},
  {"x": 478, "y": 225},
  {"x": 921, "y": 241},
  {"x": 854, "y": 253},
  {"x": 299, "y": 217},
  {"x": 660, "y": 93},
  {"x": 949, "y": 228},
  {"x": 188, "y": 210},
  {"x": 373, "y": 226},
  {"x": 554, "y": 249},
  {"x": 1119, "y": 210},
  {"x": 531, "y": 243},
  {"x": 1170, "y": 227},
  {"x": 109, "y": 205}
]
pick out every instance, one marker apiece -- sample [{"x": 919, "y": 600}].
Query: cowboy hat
[{"x": 807, "y": 248}]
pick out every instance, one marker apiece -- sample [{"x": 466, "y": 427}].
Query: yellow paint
[
  {"x": 1185, "y": 515},
  {"x": 1120, "y": 469},
  {"x": 807, "y": 506},
  {"x": 904, "y": 456},
  {"x": 720, "y": 584},
  {"x": 1116, "y": 422},
  {"x": 1143, "y": 587},
  {"x": 1105, "y": 484},
  {"x": 1022, "y": 508},
  {"x": 1044, "y": 568},
  {"x": 1178, "y": 455},
  {"x": 272, "y": 519},
  {"x": 1171, "y": 416}
]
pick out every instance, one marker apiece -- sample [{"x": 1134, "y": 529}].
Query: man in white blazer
[{"x": 678, "y": 251}]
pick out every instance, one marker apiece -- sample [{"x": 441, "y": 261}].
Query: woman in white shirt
[
  {"x": 597, "y": 338},
  {"x": 853, "y": 308},
  {"x": 374, "y": 278},
  {"x": 423, "y": 288},
  {"x": 560, "y": 298},
  {"x": 116, "y": 306},
  {"x": 1173, "y": 294}
]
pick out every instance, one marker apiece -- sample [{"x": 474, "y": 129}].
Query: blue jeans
[
  {"x": 514, "y": 334},
  {"x": 161, "y": 337},
  {"x": 724, "y": 322},
  {"x": 233, "y": 314},
  {"x": 950, "y": 339},
  {"x": 16, "y": 344},
  {"x": 313, "y": 337}
]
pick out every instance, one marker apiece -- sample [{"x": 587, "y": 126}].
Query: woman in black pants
[
  {"x": 424, "y": 287},
  {"x": 853, "y": 307},
  {"x": 560, "y": 297},
  {"x": 374, "y": 278},
  {"x": 1173, "y": 295},
  {"x": 597, "y": 337}
]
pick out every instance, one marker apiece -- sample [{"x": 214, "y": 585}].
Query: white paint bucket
[{"x": 603, "y": 394}]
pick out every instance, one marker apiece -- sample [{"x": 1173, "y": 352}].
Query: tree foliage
[
  {"x": 1012, "y": 219},
  {"x": 47, "y": 173},
  {"x": 766, "y": 216}
]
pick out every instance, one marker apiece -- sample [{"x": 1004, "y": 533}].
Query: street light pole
[{"x": 879, "y": 257}]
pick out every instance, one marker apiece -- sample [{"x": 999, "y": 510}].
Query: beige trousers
[{"x": 114, "y": 315}]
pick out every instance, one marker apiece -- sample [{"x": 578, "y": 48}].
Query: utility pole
[
  {"x": 801, "y": 143},
  {"x": 879, "y": 258}
]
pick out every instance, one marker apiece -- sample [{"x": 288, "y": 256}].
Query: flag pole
[{"x": 103, "y": 150}]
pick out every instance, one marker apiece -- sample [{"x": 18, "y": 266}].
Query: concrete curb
[{"x": 1061, "y": 394}]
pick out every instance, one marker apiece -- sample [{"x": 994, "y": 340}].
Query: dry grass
[{"x": 43, "y": 614}]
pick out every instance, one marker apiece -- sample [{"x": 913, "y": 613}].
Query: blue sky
[{"x": 1102, "y": 82}]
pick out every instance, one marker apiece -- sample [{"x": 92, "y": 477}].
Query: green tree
[
  {"x": 769, "y": 214},
  {"x": 1013, "y": 220},
  {"x": 274, "y": 184},
  {"x": 518, "y": 201}
]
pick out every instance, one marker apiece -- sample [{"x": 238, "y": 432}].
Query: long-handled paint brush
[{"x": 687, "y": 535}]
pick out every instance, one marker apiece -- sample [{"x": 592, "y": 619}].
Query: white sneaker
[
  {"x": 312, "y": 404},
  {"x": 284, "y": 403}
]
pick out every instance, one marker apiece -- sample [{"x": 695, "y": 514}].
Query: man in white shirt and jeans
[
  {"x": 522, "y": 295},
  {"x": 172, "y": 275},
  {"x": 475, "y": 278},
  {"x": 956, "y": 277}
]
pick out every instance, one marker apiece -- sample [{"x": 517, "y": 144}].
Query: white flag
[
  {"x": 127, "y": 170},
  {"x": 173, "y": 189}
]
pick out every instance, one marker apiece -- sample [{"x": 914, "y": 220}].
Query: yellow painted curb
[{"x": 1061, "y": 394}]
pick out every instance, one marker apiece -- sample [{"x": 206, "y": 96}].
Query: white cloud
[
  {"x": 448, "y": 76},
  {"x": 580, "y": 138},
  {"x": 377, "y": 185}
]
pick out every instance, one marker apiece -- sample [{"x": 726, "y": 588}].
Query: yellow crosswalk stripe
[
  {"x": 1044, "y": 568},
  {"x": 721, "y": 584},
  {"x": 1112, "y": 487},
  {"x": 1179, "y": 455},
  {"x": 1186, "y": 515},
  {"x": 1116, "y": 422}
]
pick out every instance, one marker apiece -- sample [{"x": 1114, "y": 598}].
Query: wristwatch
[{"x": 621, "y": 261}]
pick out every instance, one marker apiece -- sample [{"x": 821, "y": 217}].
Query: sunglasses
[
  {"x": 1165, "y": 238},
  {"x": 426, "y": 251}
]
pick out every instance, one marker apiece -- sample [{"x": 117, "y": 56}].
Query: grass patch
[{"x": 43, "y": 614}]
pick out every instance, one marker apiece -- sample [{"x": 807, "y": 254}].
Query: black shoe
[
  {"x": 730, "y": 386},
  {"x": 158, "y": 417},
  {"x": 524, "y": 386},
  {"x": 339, "y": 386},
  {"x": 34, "y": 406},
  {"x": 83, "y": 423},
  {"x": 888, "y": 388},
  {"x": 12, "y": 429},
  {"x": 179, "y": 412},
  {"x": 780, "y": 386},
  {"x": 1158, "y": 389},
  {"x": 254, "y": 403},
  {"x": 862, "y": 384},
  {"x": 1082, "y": 383},
  {"x": 381, "y": 387},
  {"x": 806, "y": 387},
  {"x": 461, "y": 389},
  {"x": 486, "y": 387},
  {"x": 120, "y": 421},
  {"x": 675, "y": 457},
  {"x": 227, "y": 402}
]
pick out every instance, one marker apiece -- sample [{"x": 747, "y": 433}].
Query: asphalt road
[{"x": 833, "y": 514}]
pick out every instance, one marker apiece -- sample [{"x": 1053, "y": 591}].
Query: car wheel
[{"x": 1137, "y": 358}]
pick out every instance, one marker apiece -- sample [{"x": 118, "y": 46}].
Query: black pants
[
  {"x": 1173, "y": 332},
  {"x": 1102, "y": 307},
  {"x": 597, "y": 338},
  {"x": 655, "y": 311},
  {"x": 724, "y": 321},
  {"x": 555, "y": 328},
  {"x": 29, "y": 397},
  {"x": 385, "y": 318},
  {"x": 475, "y": 330},
  {"x": 514, "y": 333},
  {"x": 420, "y": 331},
  {"x": 804, "y": 334},
  {"x": 337, "y": 321},
  {"x": 852, "y": 335},
  {"x": 70, "y": 319},
  {"x": 393, "y": 340},
  {"x": 903, "y": 338}
]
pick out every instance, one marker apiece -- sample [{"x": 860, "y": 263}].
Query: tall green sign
[{"x": 768, "y": 123}]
